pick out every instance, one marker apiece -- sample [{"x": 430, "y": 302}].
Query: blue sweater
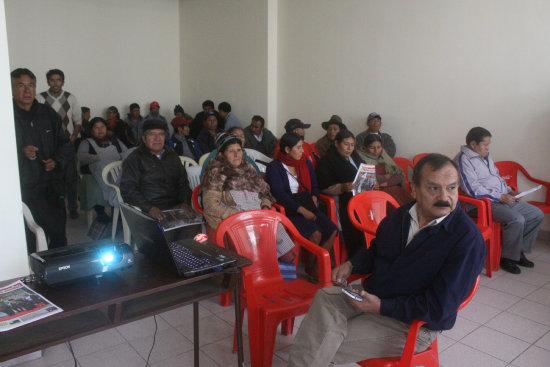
[{"x": 428, "y": 279}]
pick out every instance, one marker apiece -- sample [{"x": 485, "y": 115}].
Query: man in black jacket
[
  {"x": 153, "y": 177},
  {"x": 43, "y": 151}
]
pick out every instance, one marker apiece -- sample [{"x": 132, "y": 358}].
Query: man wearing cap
[
  {"x": 298, "y": 127},
  {"x": 333, "y": 127},
  {"x": 43, "y": 150},
  {"x": 153, "y": 177},
  {"x": 259, "y": 138},
  {"x": 374, "y": 121}
]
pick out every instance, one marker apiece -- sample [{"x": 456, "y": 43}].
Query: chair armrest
[
  {"x": 482, "y": 217},
  {"x": 410, "y": 345},
  {"x": 546, "y": 184},
  {"x": 279, "y": 208},
  {"x": 331, "y": 207}
]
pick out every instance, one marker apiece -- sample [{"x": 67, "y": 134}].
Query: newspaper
[
  {"x": 365, "y": 179},
  {"x": 20, "y": 305},
  {"x": 176, "y": 218}
]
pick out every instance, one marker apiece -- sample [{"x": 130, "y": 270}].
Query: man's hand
[
  {"x": 30, "y": 152},
  {"x": 49, "y": 165},
  {"x": 370, "y": 303},
  {"x": 186, "y": 206},
  {"x": 307, "y": 214},
  {"x": 507, "y": 199},
  {"x": 347, "y": 187},
  {"x": 341, "y": 273},
  {"x": 156, "y": 213},
  {"x": 289, "y": 256},
  {"x": 72, "y": 138}
]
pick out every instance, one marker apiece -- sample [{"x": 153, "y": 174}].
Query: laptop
[{"x": 187, "y": 256}]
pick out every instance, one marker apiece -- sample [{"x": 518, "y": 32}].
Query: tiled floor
[{"x": 506, "y": 324}]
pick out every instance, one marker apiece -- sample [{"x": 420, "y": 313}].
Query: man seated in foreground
[
  {"x": 480, "y": 179},
  {"x": 153, "y": 177},
  {"x": 423, "y": 263}
]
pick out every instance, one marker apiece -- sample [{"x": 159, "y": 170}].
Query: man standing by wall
[
  {"x": 43, "y": 150},
  {"x": 68, "y": 109}
]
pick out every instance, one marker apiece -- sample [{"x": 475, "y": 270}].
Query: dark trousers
[
  {"x": 48, "y": 210},
  {"x": 71, "y": 184}
]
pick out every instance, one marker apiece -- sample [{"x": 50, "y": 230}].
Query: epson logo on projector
[{"x": 64, "y": 267}]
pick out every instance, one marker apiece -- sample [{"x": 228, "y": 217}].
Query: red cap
[{"x": 154, "y": 104}]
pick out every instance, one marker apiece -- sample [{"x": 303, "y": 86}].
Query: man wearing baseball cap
[
  {"x": 153, "y": 177},
  {"x": 374, "y": 121},
  {"x": 298, "y": 127}
]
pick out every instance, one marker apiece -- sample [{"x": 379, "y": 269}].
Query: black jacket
[
  {"x": 41, "y": 127},
  {"x": 206, "y": 141},
  {"x": 148, "y": 181}
]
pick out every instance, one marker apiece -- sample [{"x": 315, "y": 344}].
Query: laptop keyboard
[{"x": 183, "y": 257}]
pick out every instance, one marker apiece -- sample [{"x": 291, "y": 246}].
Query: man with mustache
[
  {"x": 480, "y": 179},
  {"x": 423, "y": 262}
]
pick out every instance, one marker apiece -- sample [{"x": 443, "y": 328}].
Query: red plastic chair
[
  {"x": 195, "y": 199},
  {"x": 269, "y": 299},
  {"x": 367, "y": 209},
  {"x": 484, "y": 221},
  {"x": 509, "y": 171},
  {"x": 427, "y": 358},
  {"x": 404, "y": 164},
  {"x": 418, "y": 157}
]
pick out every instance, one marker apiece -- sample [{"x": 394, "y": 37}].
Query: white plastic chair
[
  {"x": 187, "y": 162},
  {"x": 41, "y": 242},
  {"x": 259, "y": 158},
  {"x": 203, "y": 158},
  {"x": 194, "y": 176},
  {"x": 110, "y": 175}
]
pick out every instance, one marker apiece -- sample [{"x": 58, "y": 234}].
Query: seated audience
[
  {"x": 207, "y": 136},
  {"x": 180, "y": 117},
  {"x": 85, "y": 129},
  {"x": 423, "y": 263},
  {"x": 480, "y": 179},
  {"x": 231, "y": 185},
  {"x": 135, "y": 121},
  {"x": 121, "y": 130},
  {"x": 374, "y": 121},
  {"x": 154, "y": 114},
  {"x": 332, "y": 126},
  {"x": 183, "y": 144},
  {"x": 239, "y": 133},
  {"x": 336, "y": 171},
  {"x": 389, "y": 176},
  {"x": 259, "y": 138},
  {"x": 153, "y": 177},
  {"x": 198, "y": 122},
  {"x": 94, "y": 154},
  {"x": 294, "y": 184},
  {"x": 229, "y": 119}
]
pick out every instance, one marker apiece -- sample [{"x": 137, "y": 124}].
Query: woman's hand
[
  {"x": 307, "y": 214},
  {"x": 347, "y": 187},
  {"x": 315, "y": 200}
]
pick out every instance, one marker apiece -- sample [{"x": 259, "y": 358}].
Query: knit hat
[
  {"x": 177, "y": 109},
  {"x": 223, "y": 140},
  {"x": 154, "y": 124}
]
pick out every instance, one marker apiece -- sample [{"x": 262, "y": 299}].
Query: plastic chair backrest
[
  {"x": 41, "y": 242},
  {"x": 418, "y": 157},
  {"x": 508, "y": 170},
  {"x": 186, "y": 161},
  {"x": 195, "y": 199},
  {"x": 203, "y": 158},
  {"x": 367, "y": 209},
  {"x": 253, "y": 234},
  {"x": 112, "y": 170},
  {"x": 259, "y": 158},
  {"x": 404, "y": 164}
]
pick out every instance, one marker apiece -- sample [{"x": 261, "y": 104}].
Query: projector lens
[{"x": 107, "y": 258}]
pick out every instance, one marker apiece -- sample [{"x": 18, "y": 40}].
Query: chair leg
[
  {"x": 489, "y": 260},
  {"x": 287, "y": 326},
  {"x": 116, "y": 210},
  {"x": 225, "y": 299},
  {"x": 89, "y": 218},
  {"x": 235, "y": 332}
]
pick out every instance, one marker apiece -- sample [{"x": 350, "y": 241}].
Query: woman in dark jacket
[
  {"x": 335, "y": 174},
  {"x": 121, "y": 130},
  {"x": 293, "y": 183}
]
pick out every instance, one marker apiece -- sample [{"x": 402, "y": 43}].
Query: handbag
[{"x": 304, "y": 199}]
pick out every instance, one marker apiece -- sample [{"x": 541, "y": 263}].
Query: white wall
[
  {"x": 13, "y": 262},
  {"x": 224, "y": 55},
  {"x": 433, "y": 69},
  {"x": 112, "y": 52}
]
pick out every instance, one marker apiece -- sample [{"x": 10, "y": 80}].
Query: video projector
[{"x": 71, "y": 263}]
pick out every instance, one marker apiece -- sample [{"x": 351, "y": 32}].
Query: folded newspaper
[
  {"x": 176, "y": 218},
  {"x": 365, "y": 179},
  {"x": 20, "y": 305}
]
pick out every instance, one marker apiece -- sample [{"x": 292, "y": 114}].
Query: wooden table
[{"x": 118, "y": 298}]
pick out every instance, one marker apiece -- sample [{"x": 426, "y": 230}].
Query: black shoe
[
  {"x": 73, "y": 214},
  {"x": 510, "y": 266},
  {"x": 524, "y": 262}
]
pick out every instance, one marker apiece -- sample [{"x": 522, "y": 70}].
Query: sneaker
[
  {"x": 524, "y": 262},
  {"x": 73, "y": 214},
  {"x": 509, "y": 266}
]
